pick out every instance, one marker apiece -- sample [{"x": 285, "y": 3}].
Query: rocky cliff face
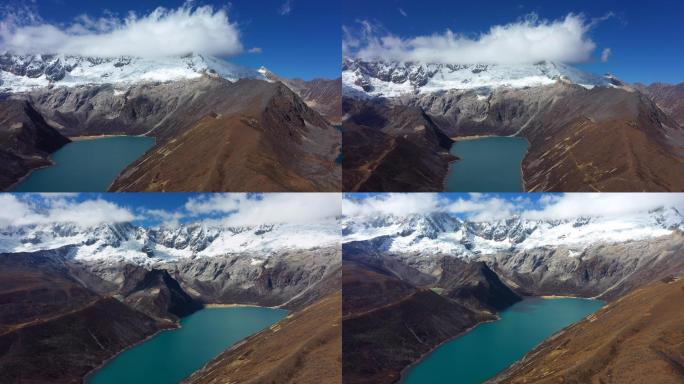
[
  {"x": 88, "y": 293},
  {"x": 586, "y": 133},
  {"x": 21, "y": 73},
  {"x": 452, "y": 273},
  {"x": 322, "y": 95},
  {"x": 589, "y": 257},
  {"x": 166, "y": 271},
  {"x": 26, "y": 140},
  {"x": 52, "y": 320},
  {"x": 389, "y": 323},
  {"x": 668, "y": 97},
  {"x": 218, "y": 127}
]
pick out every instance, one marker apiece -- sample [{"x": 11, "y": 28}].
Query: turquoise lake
[
  {"x": 173, "y": 355},
  {"x": 488, "y": 164},
  {"x": 492, "y": 347},
  {"x": 87, "y": 165}
]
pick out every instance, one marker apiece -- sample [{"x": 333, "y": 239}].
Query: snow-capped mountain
[
  {"x": 147, "y": 246},
  {"x": 442, "y": 233},
  {"x": 391, "y": 79},
  {"x": 19, "y": 73}
]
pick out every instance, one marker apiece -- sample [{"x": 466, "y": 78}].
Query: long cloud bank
[
  {"x": 485, "y": 207},
  {"x": 221, "y": 209},
  {"x": 529, "y": 40},
  {"x": 163, "y": 32}
]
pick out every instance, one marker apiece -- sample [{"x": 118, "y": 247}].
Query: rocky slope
[
  {"x": 49, "y": 319},
  {"x": 391, "y": 79},
  {"x": 101, "y": 289},
  {"x": 389, "y": 323},
  {"x": 636, "y": 339},
  {"x": 26, "y": 141},
  {"x": 587, "y": 133},
  {"x": 266, "y": 265},
  {"x": 668, "y": 97},
  {"x": 483, "y": 267},
  {"x": 588, "y": 257},
  {"x": 20, "y": 73},
  {"x": 305, "y": 347},
  {"x": 322, "y": 95},
  {"x": 252, "y": 136},
  {"x": 392, "y": 148},
  {"x": 218, "y": 128}
]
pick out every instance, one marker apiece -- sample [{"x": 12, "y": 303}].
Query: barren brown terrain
[
  {"x": 53, "y": 330},
  {"x": 638, "y": 338},
  {"x": 26, "y": 141},
  {"x": 669, "y": 97},
  {"x": 305, "y": 347},
  {"x": 257, "y": 136},
  {"x": 392, "y": 148},
  {"x": 581, "y": 140},
  {"x": 389, "y": 324},
  {"x": 211, "y": 134}
]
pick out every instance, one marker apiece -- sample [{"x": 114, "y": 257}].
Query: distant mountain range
[
  {"x": 394, "y": 79},
  {"x": 91, "y": 292},
  {"x": 192, "y": 105},
  {"x": 413, "y": 282},
  {"x": 444, "y": 234},
  {"x": 586, "y": 132},
  {"x": 128, "y": 243}
]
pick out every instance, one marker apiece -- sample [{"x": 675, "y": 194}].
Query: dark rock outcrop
[
  {"x": 26, "y": 140},
  {"x": 52, "y": 328},
  {"x": 388, "y": 324}
]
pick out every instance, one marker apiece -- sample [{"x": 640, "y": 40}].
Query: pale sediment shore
[
  {"x": 215, "y": 305},
  {"x": 93, "y": 137}
]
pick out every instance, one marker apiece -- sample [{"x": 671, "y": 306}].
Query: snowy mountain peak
[
  {"x": 444, "y": 234},
  {"x": 392, "y": 79},
  {"x": 144, "y": 245},
  {"x": 20, "y": 73}
]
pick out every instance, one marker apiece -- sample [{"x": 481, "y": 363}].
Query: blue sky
[
  {"x": 500, "y": 206},
  {"x": 296, "y": 38},
  {"x": 644, "y": 38},
  {"x": 151, "y": 209}
]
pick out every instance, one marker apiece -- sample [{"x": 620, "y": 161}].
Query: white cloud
[
  {"x": 399, "y": 204},
  {"x": 486, "y": 207},
  {"x": 286, "y": 8},
  {"x": 605, "y": 55},
  {"x": 402, "y": 12},
  {"x": 55, "y": 210},
  {"x": 238, "y": 209},
  {"x": 254, "y": 50},
  {"x": 163, "y": 32},
  {"x": 168, "y": 218},
  {"x": 572, "y": 205},
  {"x": 526, "y": 41}
]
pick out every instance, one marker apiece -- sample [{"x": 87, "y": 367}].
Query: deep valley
[
  {"x": 586, "y": 133},
  {"x": 79, "y": 296},
  {"x": 217, "y": 127},
  {"x": 413, "y": 283}
]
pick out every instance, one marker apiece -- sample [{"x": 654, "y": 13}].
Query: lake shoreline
[
  {"x": 235, "y": 305},
  {"x": 88, "y": 376},
  {"x": 473, "y": 137},
  {"x": 95, "y": 137},
  {"x": 28, "y": 174},
  {"x": 85, "y": 164},
  {"x": 451, "y": 166},
  {"x": 405, "y": 370},
  {"x": 452, "y": 353},
  {"x": 219, "y": 328}
]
